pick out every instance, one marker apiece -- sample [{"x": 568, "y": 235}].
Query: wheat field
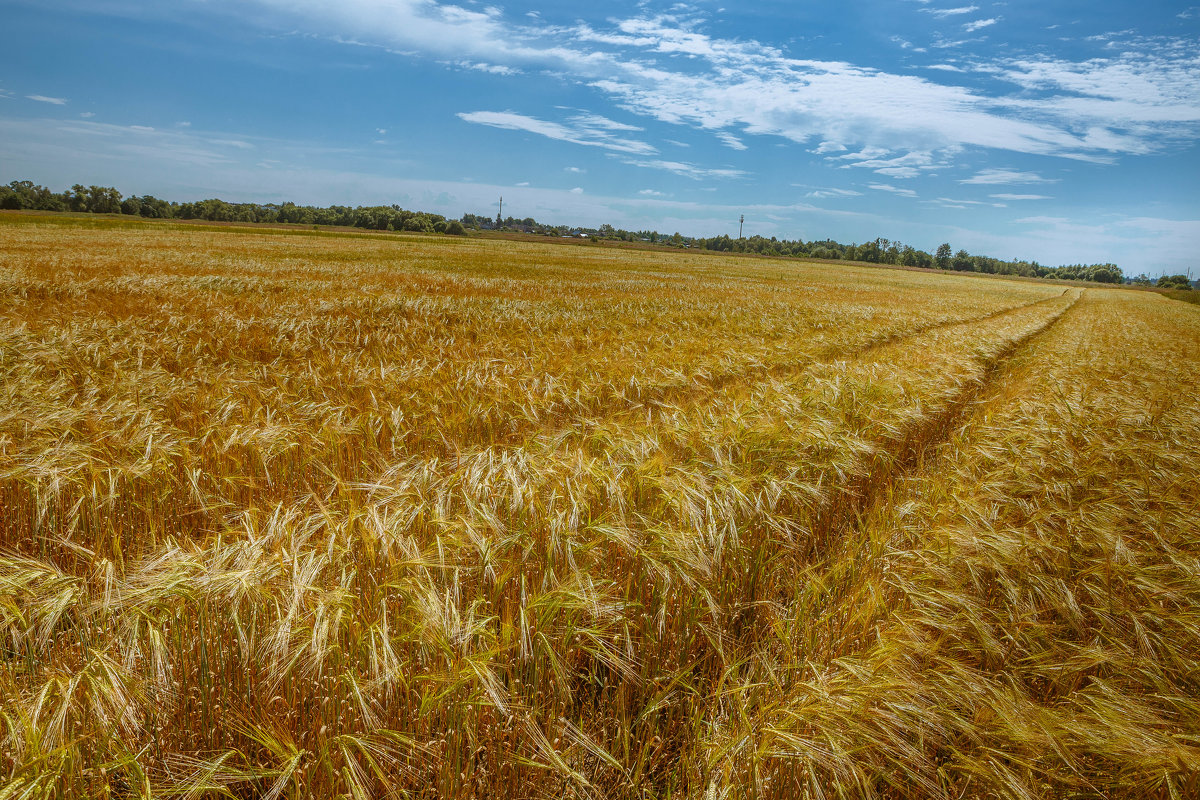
[{"x": 296, "y": 514}]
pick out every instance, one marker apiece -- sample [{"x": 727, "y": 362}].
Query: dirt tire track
[
  {"x": 860, "y": 497},
  {"x": 669, "y": 397}
]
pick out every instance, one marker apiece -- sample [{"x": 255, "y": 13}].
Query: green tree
[
  {"x": 103, "y": 200},
  {"x": 77, "y": 198},
  {"x": 1174, "y": 282},
  {"x": 943, "y": 257}
]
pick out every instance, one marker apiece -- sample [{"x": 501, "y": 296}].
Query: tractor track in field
[
  {"x": 566, "y": 416},
  {"x": 761, "y": 373},
  {"x": 907, "y": 457}
]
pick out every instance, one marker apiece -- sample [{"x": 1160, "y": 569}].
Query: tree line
[{"x": 107, "y": 200}]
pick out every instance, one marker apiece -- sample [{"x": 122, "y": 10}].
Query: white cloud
[
  {"x": 883, "y": 187},
  {"x": 577, "y": 190},
  {"x": 651, "y": 193},
  {"x": 494, "y": 69},
  {"x": 821, "y": 194},
  {"x": 829, "y": 147},
  {"x": 41, "y": 98},
  {"x": 730, "y": 140},
  {"x": 950, "y": 202},
  {"x": 587, "y": 130},
  {"x": 667, "y": 68},
  {"x": 685, "y": 169},
  {"x": 594, "y": 121},
  {"x": 1133, "y": 102},
  {"x": 1004, "y": 196},
  {"x": 942, "y": 13},
  {"x": 951, "y": 12},
  {"x": 904, "y": 44},
  {"x": 576, "y": 170},
  {"x": 87, "y": 114},
  {"x": 989, "y": 177},
  {"x": 884, "y": 162},
  {"x": 523, "y": 183},
  {"x": 978, "y": 24}
]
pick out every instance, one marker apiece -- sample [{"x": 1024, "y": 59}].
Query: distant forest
[{"x": 107, "y": 200}]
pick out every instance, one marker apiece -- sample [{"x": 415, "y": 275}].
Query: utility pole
[
  {"x": 741, "y": 221},
  {"x": 500, "y": 213}
]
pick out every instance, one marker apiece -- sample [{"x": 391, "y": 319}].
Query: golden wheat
[{"x": 287, "y": 515}]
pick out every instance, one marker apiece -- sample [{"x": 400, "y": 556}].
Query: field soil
[{"x": 287, "y": 514}]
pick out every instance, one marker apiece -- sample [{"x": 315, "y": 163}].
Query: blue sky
[{"x": 1052, "y": 130}]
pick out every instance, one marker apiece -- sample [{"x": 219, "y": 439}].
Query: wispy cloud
[
  {"x": 884, "y": 162},
  {"x": 992, "y": 177},
  {"x": 942, "y": 13},
  {"x": 685, "y": 169},
  {"x": 952, "y": 202},
  {"x": 731, "y": 141},
  {"x": 494, "y": 69},
  {"x": 1005, "y": 196},
  {"x": 884, "y": 187},
  {"x": 668, "y": 68},
  {"x": 978, "y": 24},
  {"x": 589, "y": 130},
  {"x": 822, "y": 194},
  {"x": 41, "y": 98},
  {"x": 1133, "y": 102}
]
